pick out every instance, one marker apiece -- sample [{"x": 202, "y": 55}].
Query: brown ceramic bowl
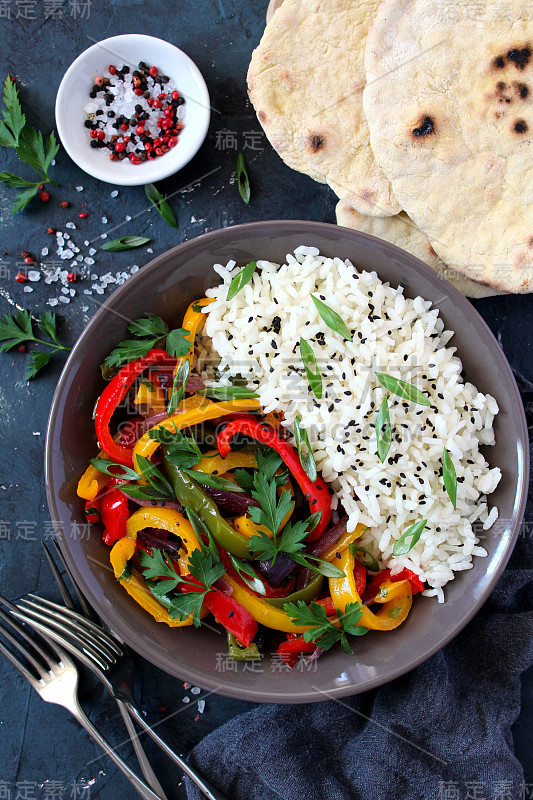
[{"x": 165, "y": 287}]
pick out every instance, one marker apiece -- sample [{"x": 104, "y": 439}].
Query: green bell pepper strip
[
  {"x": 189, "y": 493},
  {"x": 306, "y": 594},
  {"x": 240, "y": 653}
]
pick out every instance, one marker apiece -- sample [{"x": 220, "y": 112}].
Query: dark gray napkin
[{"x": 440, "y": 732}]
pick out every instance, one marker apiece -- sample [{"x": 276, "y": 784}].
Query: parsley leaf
[
  {"x": 18, "y": 330},
  {"x": 155, "y": 565},
  {"x": 273, "y": 509},
  {"x": 178, "y": 386},
  {"x": 148, "y": 331},
  {"x": 177, "y": 344},
  {"x": 14, "y": 120},
  {"x": 181, "y": 451},
  {"x": 322, "y": 631}
]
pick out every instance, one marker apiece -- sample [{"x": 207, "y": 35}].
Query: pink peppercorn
[
  {"x": 112, "y": 69},
  {"x": 153, "y": 72},
  {"x": 138, "y": 91},
  {"x": 124, "y": 126},
  {"x": 139, "y": 130},
  {"x": 120, "y": 146},
  {"x": 45, "y": 196},
  {"x": 20, "y": 277},
  {"x": 157, "y": 104},
  {"x": 175, "y": 95},
  {"x": 83, "y": 215},
  {"x": 167, "y": 123},
  {"x": 172, "y": 142},
  {"x": 71, "y": 277}
]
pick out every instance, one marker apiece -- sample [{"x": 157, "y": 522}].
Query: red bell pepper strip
[
  {"x": 316, "y": 492},
  {"x": 291, "y": 650},
  {"x": 93, "y": 508},
  {"x": 236, "y": 619},
  {"x": 110, "y": 398},
  {"x": 412, "y": 577},
  {"x": 115, "y": 513}
]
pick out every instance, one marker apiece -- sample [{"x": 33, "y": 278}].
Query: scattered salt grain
[
  {"x": 134, "y": 269},
  {"x": 185, "y": 699},
  {"x": 104, "y": 220},
  {"x": 53, "y": 162},
  {"x": 149, "y": 250},
  {"x": 186, "y": 685},
  {"x": 64, "y": 299},
  {"x": 103, "y": 236},
  {"x": 89, "y": 261},
  {"x": 94, "y": 276},
  {"x": 53, "y": 301},
  {"x": 79, "y": 188},
  {"x": 127, "y": 218},
  {"x": 87, "y": 291},
  {"x": 34, "y": 276},
  {"x": 44, "y": 251},
  {"x": 64, "y": 290},
  {"x": 201, "y": 706},
  {"x": 86, "y": 243},
  {"x": 114, "y": 193},
  {"x": 195, "y": 690},
  {"x": 84, "y": 308},
  {"x": 28, "y": 289},
  {"x": 70, "y": 225},
  {"x": 92, "y": 250}
]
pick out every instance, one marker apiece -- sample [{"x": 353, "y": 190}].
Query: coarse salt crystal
[
  {"x": 149, "y": 250},
  {"x": 33, "y": 275},
  {"x": 52, "y": 301},
  {"x": 86, "y": 243},
  {"x": 103, "y": 236},
  {"x": 89, "y": 262},
  {"x": 79, "y": 188},
  {"x": 92, "y": 250},
  {"x": 87, "y": 291},
  {"x": 114, "y": 193},
  {"x": 64, "y": 299},
  {"x": 104, "y": 220},
  {"x": 195, "y": 690},
  {"x": 84, "y": 308},
  {"x": 28, "y": 288},
  {"x": 201, "y": 706},
  {"x": 127, "y": 217},
  {"x": 185, "y": 699},
  {"x": 134, "y": 269},
  {"x": 44, "y": 251},
  {"x": 70, "y": 225}
]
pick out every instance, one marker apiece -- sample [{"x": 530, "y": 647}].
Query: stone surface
[{"x": 40, "y": 744}]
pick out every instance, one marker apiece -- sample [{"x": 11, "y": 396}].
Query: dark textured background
[{"x": 41, "y": 748}]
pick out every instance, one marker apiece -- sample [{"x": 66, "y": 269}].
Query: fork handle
[
  {"x": 142, "y": 758},
  {"x": 140, "y": 787},
  {"x": 205, "y": 787}
]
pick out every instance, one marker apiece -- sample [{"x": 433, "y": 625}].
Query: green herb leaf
[
  {"x": 449, "y": 477},
  {"x": 143, "y": 492},
  {"x": 407, "y": 540},
  {"x": 244, "y": 479},
  {"x": 311, "y": 368},
  {"x": 23, "y": 198},
  {"x": 51, "y": 151},
  {"x": 403, "y": 389},
  {"x": 104, "y": 465},
  {"x": 177, "y": 344},
  {"x": 206, "y": 479},
  {"x": 368, "y": 561},
  {"x": 243, "y": 181},
  {"x": 15, "y": 182},
  {"x": 14, "y": 119},
  {"x": 128, "y": 350},
  {"x": 204, "y": 568},
  {"x": 30, "y": 149},
  {"x": 198, "y": 306},
  {"x": 322, "y": 631},
  {"x": 241, "y": 279},
  {"x": 188, "y": 603},
  {"x": 156, "y": 565},
  {"x": 316, "y": 564},
  {"x": 148, "y": 326},
  {"x": 332, "y": 319},
  {"x": 181, "y": 451},
  {"x": 383, "y": 430},
  {"x": 307, "y": 459},
  {"x": 202, "y": 532},
  {"x": 37, "y": 362},
  {"x": 48, "y": 325},
  {"x": 160, "y": 204},
  {"x": 268, "y": 462},
  {"x": 272, "y": 509},
  {"x": 227, "y": 393},
  {"x": 178, "y": 386},
  {"x": 247, "y": 574},
  {"x": 125, "y": 243},
  {"x": 155, "y": 477}
]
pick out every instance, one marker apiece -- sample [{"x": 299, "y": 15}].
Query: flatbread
[
  {"x": 401, "y": 231},
  {"x": 449, "y": 102},
  {"x": 306, "y": 82}
]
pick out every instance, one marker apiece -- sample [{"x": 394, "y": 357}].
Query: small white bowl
[{"x": 73, "y": 95}]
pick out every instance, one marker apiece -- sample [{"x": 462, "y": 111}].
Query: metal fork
[
  {"x": 106, "y": 657},
  {"x": 54, "y": 677},
  {"x": 88, "y": 612}
]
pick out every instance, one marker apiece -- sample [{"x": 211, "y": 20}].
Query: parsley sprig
[
  {"x": 18, "y": 330},
  {"x": 204, "y": 565},
  {"x": 271, "y": 512},
  {"x": 148, "y": 332},
  {"x": 181, "y": 451},
  {"x": 323, "y": 631},
  {"x": 29, "y": 146}
]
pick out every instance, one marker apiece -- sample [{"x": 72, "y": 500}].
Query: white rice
[{"x": 393, "y": 334}]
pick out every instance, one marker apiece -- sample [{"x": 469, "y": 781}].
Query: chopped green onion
[
  {"x": 178, "y": 386},
  {"x": 407, "y": 540},
  {"x": 227, "y": 393},
  {"x": 369, "y": 561},
  {"x": 449, "y": 477},
  {"x": 212, "y": 480},
  {"x": 125, "y": 243},
  {"x": 104, "y": 465},
  {"x": 307, "y": 459},
  {"x": 383, "y": 430},
  {"x": 243, "y": 181},
  {"x": 311, "y": 368},
  {"x": 332, "y": 319},
  {"x": 240, "y": 280},
  {"x": 403, "y": 389}
]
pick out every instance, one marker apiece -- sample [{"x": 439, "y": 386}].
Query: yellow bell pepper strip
[
  {"x": 151, "y": 396},
  {"x": 344, "y": 542},
  {"x": 168, "y": 519},
  {"x": 136, "y": 587},
  {"x": 214, "y": 464},
  {"x": 202, "y": 411},
  {"x": 245, "y": 525},
  {"x": 261, "y": 611},
  {"x": 193, "y": 321},
  {"x": 390, "y": 590},
  {"x": 92, "y": 481},
  {"x": 120, "y": 554},
  {"x": 343, "y": 591}
]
